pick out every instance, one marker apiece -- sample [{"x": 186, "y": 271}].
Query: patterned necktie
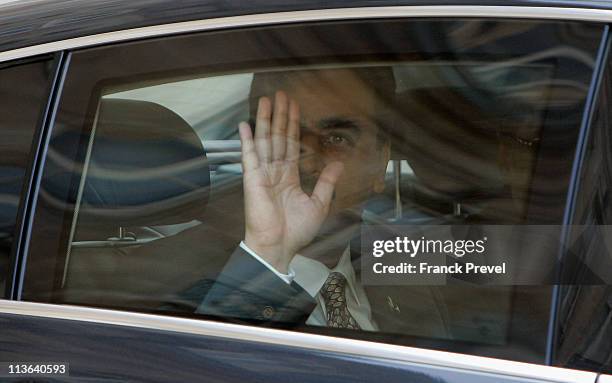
[{"x": 334, "y": 296}]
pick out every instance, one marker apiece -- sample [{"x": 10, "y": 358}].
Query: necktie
[{"x": 334, "y": 296}]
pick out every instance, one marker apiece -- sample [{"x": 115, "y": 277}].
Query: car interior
[{"x": 160, "y": 206}]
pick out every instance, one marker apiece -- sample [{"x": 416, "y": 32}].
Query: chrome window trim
[
  {"x": 523, "y": 12},
  {"x": 301, "y": 340}
]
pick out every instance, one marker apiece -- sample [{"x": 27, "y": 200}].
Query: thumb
[{"x": 324, "y": 189}]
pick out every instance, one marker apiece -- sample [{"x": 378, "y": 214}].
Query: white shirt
[{"x": 311, "y": 275}]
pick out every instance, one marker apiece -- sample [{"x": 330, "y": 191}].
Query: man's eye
[{"x": 332, "y": 140}]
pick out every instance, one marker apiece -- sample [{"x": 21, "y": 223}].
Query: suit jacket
[{"x": 247, "y": 289}]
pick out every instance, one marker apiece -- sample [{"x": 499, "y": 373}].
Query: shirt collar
[{"x": 311, "y": 274}]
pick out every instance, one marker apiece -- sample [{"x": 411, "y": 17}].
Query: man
[{"x": 318, "y": 154}]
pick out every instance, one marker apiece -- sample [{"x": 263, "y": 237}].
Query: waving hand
[{"x": 280, "y": 217}]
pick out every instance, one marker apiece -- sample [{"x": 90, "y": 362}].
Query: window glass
[
  {"x": 585, "y": 316},
  {"x": 240, "y": 185},
  {"x": 23, "y": 91}
]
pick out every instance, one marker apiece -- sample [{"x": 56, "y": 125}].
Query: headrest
[
  {"x": 147, "y": 166},
  {"x": 442, "y": 123}
]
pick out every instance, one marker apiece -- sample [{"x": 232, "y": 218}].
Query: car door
[{"x": 139, "y": 195}]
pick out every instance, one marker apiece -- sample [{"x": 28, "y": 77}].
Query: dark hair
[{"x": 379, "y": 79}]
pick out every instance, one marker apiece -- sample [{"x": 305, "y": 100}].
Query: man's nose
[{"x": 311, "y": 159}]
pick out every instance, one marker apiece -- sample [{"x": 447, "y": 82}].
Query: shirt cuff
[{"x": 287, "y": 278}]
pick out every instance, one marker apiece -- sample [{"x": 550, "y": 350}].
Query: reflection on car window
[
  {"x": 242, "y": 193},
  {"x": 585, "y": 314},
  {"x": 22, "y": 93}
]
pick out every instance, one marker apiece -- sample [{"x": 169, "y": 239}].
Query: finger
[
  {"x": 262, "y": 130},
  {"x": 324, "y": 189},
  {"x": 249, "y": 156},
  {"x": 293, "y": 132},
  {"x": 279, "y": 126}
]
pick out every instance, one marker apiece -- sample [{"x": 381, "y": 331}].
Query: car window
[
  {"x": 246, "y": 185},
  {"x": 23, "y": 92},
  {"x": 584, "y": 334}
]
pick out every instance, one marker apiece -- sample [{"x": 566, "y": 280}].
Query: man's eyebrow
[{"x": 340, "y": 123}]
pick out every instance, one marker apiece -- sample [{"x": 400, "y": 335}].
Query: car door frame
[{"x": 62, "y": 49}]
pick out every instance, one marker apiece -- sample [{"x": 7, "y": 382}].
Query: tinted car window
[
  {"x": 585, "y": 316},
  {"x": 23, "y": 91},
  {"x": 153, "y": 201}
]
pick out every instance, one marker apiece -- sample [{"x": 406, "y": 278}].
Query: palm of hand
[{"x": 280, "y": 217}]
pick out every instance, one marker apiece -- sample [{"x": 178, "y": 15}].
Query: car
[{"x": 134, "y": 221}]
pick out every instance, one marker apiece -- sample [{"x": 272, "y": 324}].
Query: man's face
[{"x": 338, "y": 124}]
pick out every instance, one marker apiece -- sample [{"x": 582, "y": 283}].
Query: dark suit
[{"x": 247, "y": 289}]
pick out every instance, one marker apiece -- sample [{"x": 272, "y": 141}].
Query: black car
[{"x": 213, "y": 190}]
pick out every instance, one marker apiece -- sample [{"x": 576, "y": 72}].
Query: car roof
[{"x": 31, "y": 22}]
